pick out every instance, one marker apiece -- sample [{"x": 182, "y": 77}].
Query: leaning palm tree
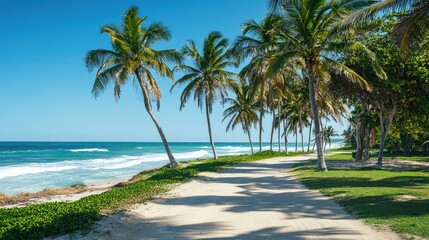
[
  {"x": 243, "y": 110},
  {"x": 208, "y": 75},
  {"x": 412, "y": 26},
  {"x": 311, "y": 37},
  {"x": 132, "y": 55}
]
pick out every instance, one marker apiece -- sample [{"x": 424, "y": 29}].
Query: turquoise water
[{"x": 34, "y": 166}]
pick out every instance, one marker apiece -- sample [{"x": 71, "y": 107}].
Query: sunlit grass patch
[{"x": 398, "y": 199}]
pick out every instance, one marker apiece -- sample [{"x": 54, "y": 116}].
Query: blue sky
[{"x": 45, "y": 92}]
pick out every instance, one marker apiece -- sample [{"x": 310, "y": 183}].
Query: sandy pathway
[{"x": 259, "y": 200}]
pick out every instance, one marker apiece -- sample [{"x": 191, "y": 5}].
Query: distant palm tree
[
  {"x": 207, "y": 77},
  {"x": 411, "y": 28},
  {"x": 311, "y": 37},
  {"x": 243, "y": 110},
  {"x": 295, "y": 110},
  {"x": 257, "y": 42},
  {"x": 329, "y": 132},
  {"x": 132, "y": 55}
]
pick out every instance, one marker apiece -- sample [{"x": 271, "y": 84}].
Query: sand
[
  {"x": 259, "y": 200},
  {"x": 71, "y": 197}
]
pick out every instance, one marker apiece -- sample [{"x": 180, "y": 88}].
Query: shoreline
[
  {"x": 63, "y": 194},
  {"x": 67, "y": 194}
]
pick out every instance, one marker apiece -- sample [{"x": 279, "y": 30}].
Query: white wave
[
  {"x": 120, "y": 162},
  {"x": 89, "y": 150},
  {"x": 232, "y": 149},
  {"x": 14, "y": 171},
  {"x": 335, "y": 145},
  {"x": 139, "y": 147},
  {"x": 131, "y": 161},
  {"x": 24, "y": 151}
]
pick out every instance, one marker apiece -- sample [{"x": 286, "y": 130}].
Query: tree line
[{"x": 305, "y": 62}]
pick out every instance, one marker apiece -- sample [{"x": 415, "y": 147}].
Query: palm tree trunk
[
  {"x": 272, "y": 130},
  {"x": 285, "y": 134},
  {"x": 366, "y": 143},
  {"x": 279, "y": 121},
  {"x": 309, "y": 135},
  {"x": 173, "y": 162},
  {"x": 385, "y": 124},
  {"x": 321, "y": 164},
  {"x": 300, "y": 130},
  {"x": 261, "y": 115},
  {"x": 322, "y": 133},
  {"x": 407, "y": 139},
  {"x": 359, "y": 135},
  {"x": 381, "y": 149},
  {"x": 250, "y": 140},
  {"x": 324, "y": 148},
  {"x": 210, "y": 129},
  {"x": 296, "y": 139}
]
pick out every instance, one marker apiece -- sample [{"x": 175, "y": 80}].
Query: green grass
[
  {"x": 407, "y": 158},
  {"x": 343, "y": 149},
  {"x": 344, "y": 156},
  {"x": 375, "y": 195},
  {"x": 42, "y": 220}
]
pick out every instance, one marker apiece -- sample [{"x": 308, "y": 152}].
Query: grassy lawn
[
  {"x": 342, "y": 156},
  {"x": 48, "y": 219},
  {"x": 348, "y": 156},
  {"x": 407, "y": 158},
  {"x": 343, "y": 149},
  {"x": 398, "y": 199}
]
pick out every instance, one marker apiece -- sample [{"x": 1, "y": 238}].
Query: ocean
[{"x": 34, "y": 166}]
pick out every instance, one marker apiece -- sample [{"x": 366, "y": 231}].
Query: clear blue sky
[{"x": 45, "y": 91}]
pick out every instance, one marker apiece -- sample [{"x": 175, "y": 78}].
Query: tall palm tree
[
  {"x": 257, "y": 42},
  {"x": 311, "y": 35},
  {"x": 207, "y": 77},
  {"x": 411, "y": 28},
  {"x": 132, "y": 55},
  {"x": 243, "y": 110}
]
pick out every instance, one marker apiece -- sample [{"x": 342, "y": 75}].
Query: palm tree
[
  {"x": 329, "y": 132},
  {"x": 297, "y": 116},
  {"x": 411, "y": 28},
  {"x": 311, "y": 37},
  {"x": 243, "y": 110},
  {"x": 208, "y": 75},
  {"x": 257, "y": 42},
  {"x": 132, "y": 55}
]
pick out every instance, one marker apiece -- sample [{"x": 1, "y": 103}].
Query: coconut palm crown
[
  {"x": 242, "y": 111},
  {"x": 132, "y": 55},
  {"x": 207, "y": 78},
  {"x": 411, "y": 28},
  {"x": 311, "y": 36}
]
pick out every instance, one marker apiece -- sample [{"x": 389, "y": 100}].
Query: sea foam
[
  {"x": 121, "y": 162},
  {"x": 14, "y": 171},
  {"x": 89, "y": 150}
]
